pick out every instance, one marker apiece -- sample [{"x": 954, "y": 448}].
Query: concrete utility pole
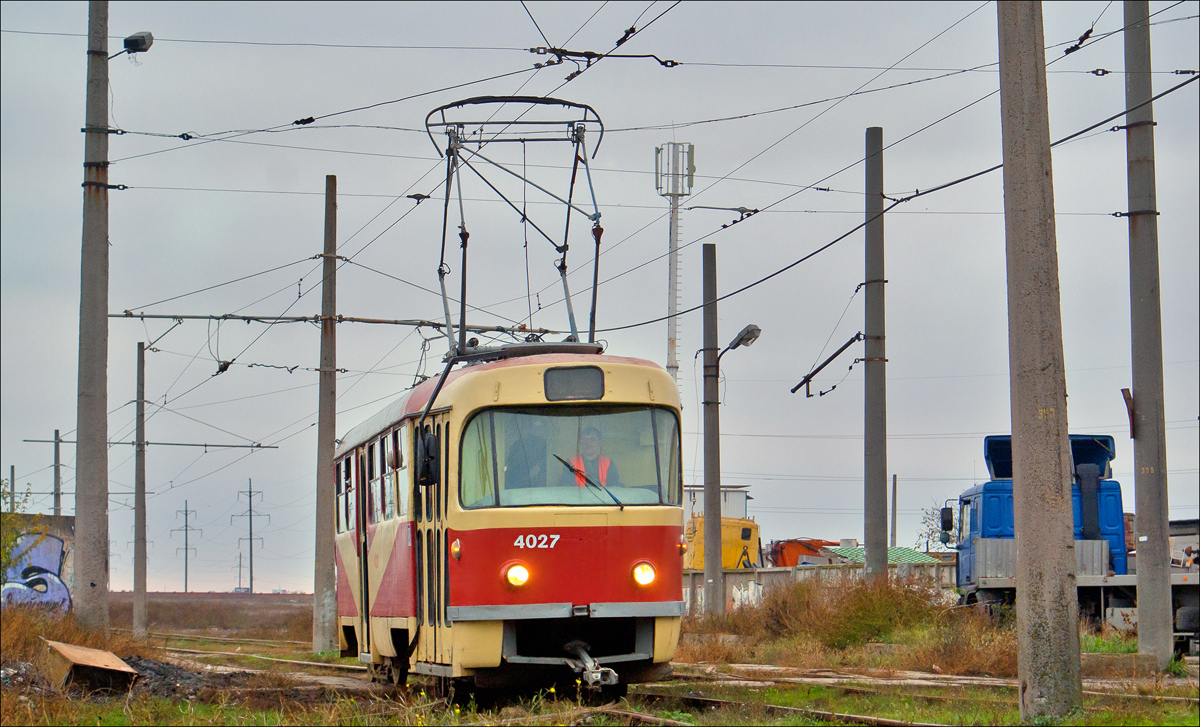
[
  {"x": 875, "y": 356},
  {"x": 324, "y": 575},
  {"x": 139, "y": 501},
  {"x": 186, "y": 530},
  {"x": 1145, "y": 319},
  {"x": 90, "y": 597},
  {"x": 12, "y": 489},
  {"x": 893, "y": 511},
  {"x": 57, "y": 475},
  {"x": 675, "y": 170},
  {"x": 1047, "y": 605},
  {"x": 714, "y": 576}
]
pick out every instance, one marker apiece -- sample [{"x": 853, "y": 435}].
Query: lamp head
[
  {"x": 748, "y": 335},
  {"x": 139, "y": 42}
]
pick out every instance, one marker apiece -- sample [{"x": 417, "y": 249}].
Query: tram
[{"x": 517, "y": 521}]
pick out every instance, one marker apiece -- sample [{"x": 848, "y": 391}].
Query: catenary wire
[{"x": 919, "y": 193}]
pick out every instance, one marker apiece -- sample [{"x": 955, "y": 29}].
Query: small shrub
[
  {"x": 1176, "y": 667},
  {"x": 1106, "y": 640}
]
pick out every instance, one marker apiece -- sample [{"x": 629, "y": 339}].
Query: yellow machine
[{"x": 740, "y": 544}]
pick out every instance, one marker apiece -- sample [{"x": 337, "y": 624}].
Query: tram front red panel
[{"x": 577, "y": 565}]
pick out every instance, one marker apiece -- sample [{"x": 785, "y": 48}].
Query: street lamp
[
  {"x": 746, "y": 337},
  {"x": 91, "y": 490},
  {"x": 136, "y": 43},
  {"x": 714, "y": 576}
]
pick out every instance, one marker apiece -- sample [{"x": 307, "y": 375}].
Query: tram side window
[
  {"x": 341, "y": 475},
  {"x": 388, "y": 478},
  {"x": 351, "y": 500},
  {"x": 398, "y": 464},
  {"x": 374, "y": 493}
]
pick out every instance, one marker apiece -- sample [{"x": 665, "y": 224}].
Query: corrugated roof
[{"x": 895, "y": 555}]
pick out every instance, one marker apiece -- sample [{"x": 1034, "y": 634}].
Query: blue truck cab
[{"x": 986, "y": 510}]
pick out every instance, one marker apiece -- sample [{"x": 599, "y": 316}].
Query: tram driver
[{"x": 590, "y": 462}]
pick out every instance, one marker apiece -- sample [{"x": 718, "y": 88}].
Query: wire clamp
[
  {"x": 1135, "y": 124},
  {"x": 102, "y": 185},
  {"x": 865, "y": 283},
  {"x": 1135, "y": 213}
]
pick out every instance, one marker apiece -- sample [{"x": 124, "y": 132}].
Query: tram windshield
[{"x": 571, "y": 455}]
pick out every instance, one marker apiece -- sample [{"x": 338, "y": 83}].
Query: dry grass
[
  {"x": 713, "y": 649},
  {"x": 835, "y": 624},
  {"x": 838, "y": 614},
  {"x": 23, "y": 628},
  {"x": 256, "y": 617},
  {"x": 965, "y": 642}
]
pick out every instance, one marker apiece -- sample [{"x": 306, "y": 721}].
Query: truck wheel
[{"x": 1187, "y": 618}]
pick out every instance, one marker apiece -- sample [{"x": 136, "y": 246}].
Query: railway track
[
  {"x": 838, "y": 680},
  {"x": 219, "y": 639},
  {"x": 297, "y": 662},
  {"x": 901, "y": 684},
  {"x": 714, "y": 703}
]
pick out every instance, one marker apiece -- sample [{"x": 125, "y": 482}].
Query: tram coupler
[{"x": 591, "y": 673}]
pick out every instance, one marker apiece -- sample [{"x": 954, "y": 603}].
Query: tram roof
[{"x": 412, "y": 402}]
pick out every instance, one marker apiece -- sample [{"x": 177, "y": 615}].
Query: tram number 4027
[{"x": 536, "y": 541}]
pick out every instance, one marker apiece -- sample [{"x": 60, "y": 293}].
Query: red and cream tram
[{"x": 531, "y": 531}]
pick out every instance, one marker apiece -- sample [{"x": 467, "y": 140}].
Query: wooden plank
[{"x": 84, "y": 656}]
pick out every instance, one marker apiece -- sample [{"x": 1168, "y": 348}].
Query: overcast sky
[{"x": 213, "y": 209}]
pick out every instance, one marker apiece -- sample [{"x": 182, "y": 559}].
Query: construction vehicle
[
  {"x": 740, "y": 543},
  {"x": 1105, "y": 572},
  {"x": 796, "y": 551},
  {"x": 741, "y": 546}
]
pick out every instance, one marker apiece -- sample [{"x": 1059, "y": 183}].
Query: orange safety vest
[{"x": 577, "y": 463}]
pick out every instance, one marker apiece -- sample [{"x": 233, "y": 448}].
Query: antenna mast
[{"x": 674, "y": 173}]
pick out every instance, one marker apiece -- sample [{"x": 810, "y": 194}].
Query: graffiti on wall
[
  {"x": 36, "y": 575},
  {"x": 749, "y": 593}
]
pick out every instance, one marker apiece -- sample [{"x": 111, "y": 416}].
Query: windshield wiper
[{"x": 589, "y": 480}]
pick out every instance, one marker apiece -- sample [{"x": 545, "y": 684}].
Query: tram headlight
[
  {"x": 517, "y": 575},
  {"x": 643, "y": 574},
  {"x": 683, "y": 544}
]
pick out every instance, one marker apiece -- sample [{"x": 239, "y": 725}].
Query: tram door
[
  {"x": 429, "y": 511},
  {"x": 361, "y": 545}
]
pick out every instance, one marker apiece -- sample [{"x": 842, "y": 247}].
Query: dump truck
[{"x": 1105, "y": 572}]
